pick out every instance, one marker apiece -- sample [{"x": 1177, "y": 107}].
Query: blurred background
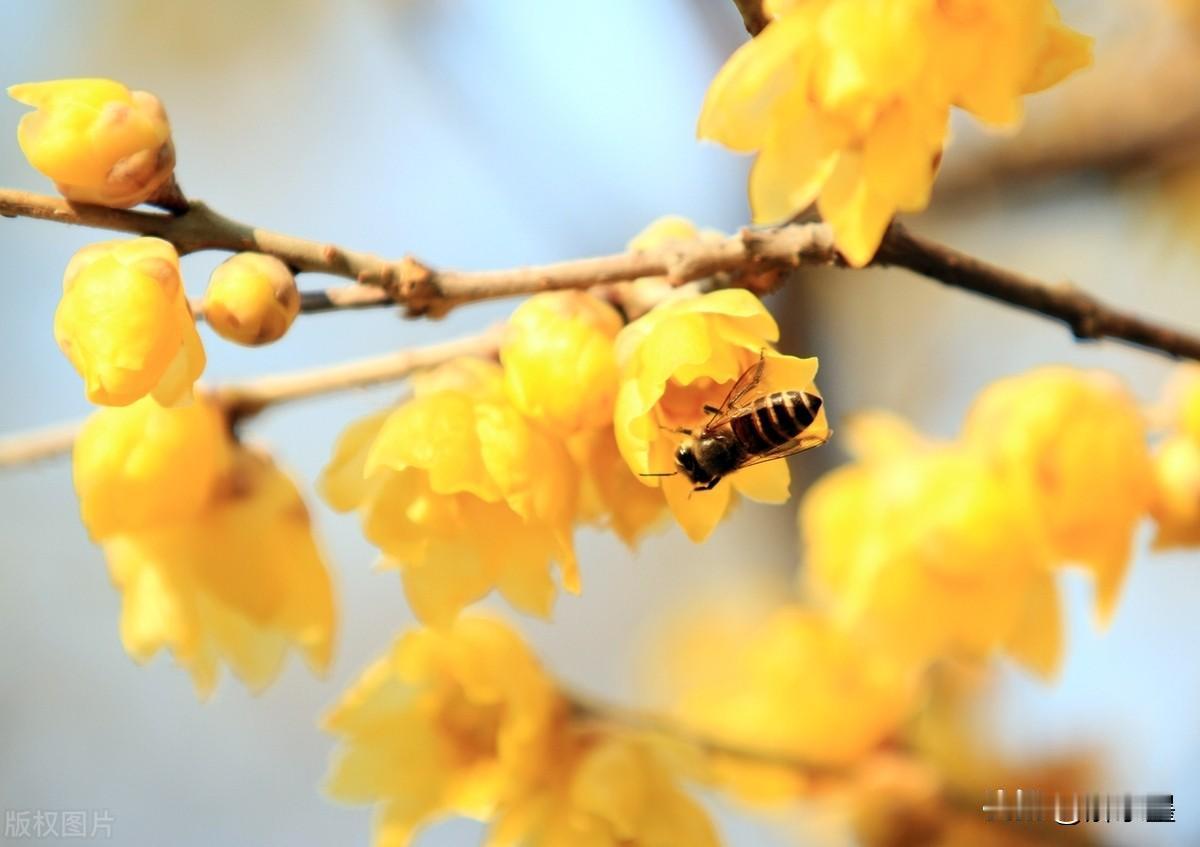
[{"x": 487, "y": 135}]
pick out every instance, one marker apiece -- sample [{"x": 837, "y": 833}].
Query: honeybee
[{"x": 746, "y": 430}]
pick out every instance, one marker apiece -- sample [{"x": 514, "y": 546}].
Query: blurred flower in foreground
[
  {"x": 681, "y": 356},
  {"x": 847, "y": 101},
  {"x": 100, "y": 142},
  {"x": 125, "y": 324},
  {"x": 251, "y": 299},
  {"x": 461, "y": 493},
  {"x": 450, "y": 722},
  {"x": 1072, "y": 445},
  {"x": 1176, "y": 503},
  {"x": 559, "y": 366},
  {"x": 143, "y": 465},
  {"x": 927, "y": 546},
  {"x": 617, "y": 792},
  {"x": 787, "y": 682},
  {"x": 464, "y": 721},
  {"x": 240, "y": 582}
]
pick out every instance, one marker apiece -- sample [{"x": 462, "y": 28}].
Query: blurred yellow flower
[
  {"x": 679, "y": 357},
  {"x": 559, "y": 366},
  {"x": 847, "y": 101},
  {"x": 1175, "y": 506},
  {"x": 789, "y": 682},
  {"x": 611, "y": 495},
  {"x": 616, "y": 792},
  {"x": 239, "y": 583},
  {"x": 1071, "y": 444},
  {"x": 462, "y": 494},
  {"x": 100, "y": 142},
  {"x": 928, "y": 548},
  {"x": 125, "y": 324},
  {"x": 142, "y": 465},
  {"x": 450, "y": 722},
  {"x": 251, "y": 299}
]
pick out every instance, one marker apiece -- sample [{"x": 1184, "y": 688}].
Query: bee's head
[{"x": 685, "y": 461}]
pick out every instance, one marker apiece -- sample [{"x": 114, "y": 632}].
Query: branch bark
[
  {"x": 244, "y": 400},
  {"x": 754, "y": 16}
]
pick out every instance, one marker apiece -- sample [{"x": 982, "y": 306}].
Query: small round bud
[
  {"x": 100, "y": 142},
  {"x": 251, "y": 299}
]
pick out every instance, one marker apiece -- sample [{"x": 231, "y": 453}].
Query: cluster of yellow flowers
[
  {"x": 209, "y": 542},
  {"x": 847, "y": 101},
  {"x": 464, "y": 721},
  {"x": 475, "y": 483}
]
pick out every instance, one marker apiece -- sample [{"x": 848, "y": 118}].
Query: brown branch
[
  {"x": 1087, "y": 317},
  {"x": 757, "y": 259},
  {"x": 244, "y": 400},
  {"x": 754, "y": 16}
]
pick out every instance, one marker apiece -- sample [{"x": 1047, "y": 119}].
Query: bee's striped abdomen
[{"x": 774, "y": 419}]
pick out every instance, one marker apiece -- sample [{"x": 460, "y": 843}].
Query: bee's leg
[
  {"x": 682, "y": 430},
  {"x": 711, "y": 409},
  {"x": 708, "y": 486}
]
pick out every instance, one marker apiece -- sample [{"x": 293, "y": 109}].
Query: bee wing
[
  {"x": 799, "y": 445},
  {"x": 744, "y": 384}
]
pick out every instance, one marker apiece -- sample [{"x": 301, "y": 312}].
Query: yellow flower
[
  {"x": 618, "y": 792},
  {"x": 100, "y": 142},
  {"x": 676, "y": 359},
  {"x": 929, "y": 549},
  {"x": 239, "y": 583},
  {"x": 611, "y": 495},
  {"x": 847, "y": 101},
  {"x": 143, "y": 465},
  {"x": 559, "y": 366},
  {"x": 788, "y": 681},
  {"x": 462, "y": 494},
  {"x": 251, "y": 299},
  {"x": 1176, "y": 501},
  {"x": 125, "y": 324},
  {"x": 1072, "y": 444},
  {"x": 455, "y": 721}
]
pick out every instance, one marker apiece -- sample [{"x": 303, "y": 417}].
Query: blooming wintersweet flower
[
  {"x": 681, "y": 356},
  {"x": 456, "y": 721},
  {"x": 1175, "y": 506},
  {"x": 616, "y": 792},
  {"x": 1072, "y": 444},
  {"x": 462, "y": 494},
  {"x": 559, "y": 366},
  {"x": 144, "y": 465},
  {"x": 100, "y": 142},
  {"x": 925, "y": 546},
  {"x": 125, "y": 324},
  {"x": 251, "y": 299},
  {"x": 846, "y": 102},
  {"x": 240, "y": 583}
]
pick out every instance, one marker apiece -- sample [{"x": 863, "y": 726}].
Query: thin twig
[
  {"x": 247, "y": 399},
  {"x": 758, "y": 259}
]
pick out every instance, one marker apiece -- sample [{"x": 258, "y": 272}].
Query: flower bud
[
  {"x": 100, "y": 142},
  {"x": 251, "y": 299},
  {"x": 125, "y": 324},
  {"x": 559, "y": 365}
]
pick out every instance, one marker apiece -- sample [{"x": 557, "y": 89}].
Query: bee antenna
[{"x": 672, "y": 473}]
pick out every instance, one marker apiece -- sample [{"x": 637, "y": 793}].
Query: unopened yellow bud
[
  {"x": 251, "y": 299},
  {"x": 100, "y": 142},
  {"x": 125, "y": 324},
  {"x": 143, "y": 465},
  {"x": 559, "y": 364}
]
